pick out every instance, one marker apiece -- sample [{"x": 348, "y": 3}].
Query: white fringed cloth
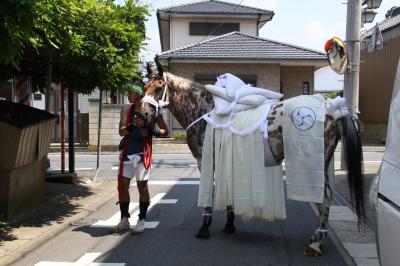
[{"x": 241, "y": 180}]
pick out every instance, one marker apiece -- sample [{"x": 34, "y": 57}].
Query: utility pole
[{"x": 352, "y": 75}]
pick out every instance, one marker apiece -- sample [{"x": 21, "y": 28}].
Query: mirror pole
[{"x": 352, "y": 75}]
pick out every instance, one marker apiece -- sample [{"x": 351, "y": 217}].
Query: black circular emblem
[{"x": 303, "y": 118}]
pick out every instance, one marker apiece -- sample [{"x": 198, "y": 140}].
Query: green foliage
[
  {"x": 94, "y": 43},
  {"x": 333, "y": 95},
  {"x": 16, "y": 25},
  {"x": 180, "y": 136}
]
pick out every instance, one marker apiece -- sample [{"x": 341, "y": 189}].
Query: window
[
  {"x": 306, "y": 88},
  {"x": 37, "y": 97},
  {"x": 215, "y": 28}
]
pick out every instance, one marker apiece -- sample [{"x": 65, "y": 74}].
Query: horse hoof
[
  {"x": 229, "y": 229},
  {"x": 312, "y": 251},
  {"x": 203, "y": 233}
]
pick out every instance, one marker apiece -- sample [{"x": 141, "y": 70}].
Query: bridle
[
  {"x": 163, "y": 102},
  {"x": 164, "y": 99}
]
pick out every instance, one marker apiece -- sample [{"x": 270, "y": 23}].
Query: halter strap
[{"x": 164, "y": 99}]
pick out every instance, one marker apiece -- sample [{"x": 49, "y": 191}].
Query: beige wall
[
  {"x": 377, "y": 73},
  {"x": 180, "y": 29},
  {"x": 292, "y": 80},
  {"x": 109, "y": 127},
  {"x": 268, "y": 75}
]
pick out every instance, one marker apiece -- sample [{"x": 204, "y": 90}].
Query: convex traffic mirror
[{"x": 337, "y": 55}]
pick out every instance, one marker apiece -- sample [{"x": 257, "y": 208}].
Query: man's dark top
[{"x": 135, "y": 142}]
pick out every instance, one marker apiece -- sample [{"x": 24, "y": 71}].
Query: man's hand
[
  {"x": 138, "y": 122},
  {"x": 144, "y": 131}
]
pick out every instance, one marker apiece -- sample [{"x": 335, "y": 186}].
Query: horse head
[
  {"x": 156, "y": 86},
  {"x": 152, "y": 99}
]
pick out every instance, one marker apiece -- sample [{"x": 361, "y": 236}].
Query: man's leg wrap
[
  {"x": 124, "y": 207},
  {"x": 143, "y": 206}
]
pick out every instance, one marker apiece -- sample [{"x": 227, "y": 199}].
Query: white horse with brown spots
[{"x": 189, "y": 100}]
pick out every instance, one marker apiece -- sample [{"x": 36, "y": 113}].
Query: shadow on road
[{"x": 57, "y": 205}]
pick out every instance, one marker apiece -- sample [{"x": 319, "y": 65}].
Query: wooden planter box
[{"x": 25, "y": 134}]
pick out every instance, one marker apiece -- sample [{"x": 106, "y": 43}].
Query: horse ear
[
  {"x": 159, "y": 67},
  {"x": 149, "y": 70}
]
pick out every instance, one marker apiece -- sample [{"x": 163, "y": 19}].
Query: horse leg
[
  {"x": 315, "y": 242},
  {"x": 203, "y": 232},
  {"x": 230, "y": 220}
]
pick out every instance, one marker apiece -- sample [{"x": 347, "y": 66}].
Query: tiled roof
[
  {"x": 215, "y": 7},
  {"x": 237, "y": 45},
  {"x": 384, "y": 25}
]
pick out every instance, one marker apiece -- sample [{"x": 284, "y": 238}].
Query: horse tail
[{"x": 351, "y": 143}]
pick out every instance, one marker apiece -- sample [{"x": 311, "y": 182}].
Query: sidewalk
[
  {"x": 63, "y": 204},
  {"x": 159, "y": 146},
  {"x": 357, "y": 247}
]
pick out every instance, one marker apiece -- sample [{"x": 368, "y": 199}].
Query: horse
[{"x": 188, "y": 100}]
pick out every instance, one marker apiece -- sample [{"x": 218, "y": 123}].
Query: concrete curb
[
  {"x": 182, "y": 148},
  {"x": 161, "y": 148},
  {"x": 89, "y": 205}
]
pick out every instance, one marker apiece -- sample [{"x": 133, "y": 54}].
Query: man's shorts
[{"x": 139, "y": 172}]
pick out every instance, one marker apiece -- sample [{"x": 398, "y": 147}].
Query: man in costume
[{"x": 134, "y": 158}]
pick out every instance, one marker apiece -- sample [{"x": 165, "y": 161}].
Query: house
[
  {"x": 377, "y": 74},
  {"x": 202, "y": 40}
]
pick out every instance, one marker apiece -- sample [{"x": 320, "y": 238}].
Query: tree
[
  {"x": 16, "y": 28},
  {"x": 94, "y": 43}
]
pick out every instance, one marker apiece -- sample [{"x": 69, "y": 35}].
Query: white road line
[
  {"x": 54, "y": 263},
  {"x": 86, "y": 260},
  {"x": 173, "y": 182},
  {"x": 116, "y": 217},
  {"x": 114, "y": 220},
  {"x": 76, "y": 169},
  {"x": 337, "y": 162},
  {"x": 168, "y": 201},
  {"x": 365, "y": 162}
]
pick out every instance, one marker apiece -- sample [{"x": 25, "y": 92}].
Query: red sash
[{"x": 147, "y": 153}]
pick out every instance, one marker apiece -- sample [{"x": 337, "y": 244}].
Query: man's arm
[
  {"x": 122, "y": 121},
  {"x": 124, "y": 127}
]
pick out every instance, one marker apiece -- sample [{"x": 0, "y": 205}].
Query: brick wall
[
  {"x": 268, "y": 75},
  {"x": 293, "y": 78}
]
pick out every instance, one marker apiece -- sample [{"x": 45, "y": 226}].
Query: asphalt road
[
  {"x": 173, "y": 221},
  {"x": 86, "y": 165}
]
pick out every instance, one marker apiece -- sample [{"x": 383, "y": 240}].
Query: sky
[{"x": 307, "y": 23}]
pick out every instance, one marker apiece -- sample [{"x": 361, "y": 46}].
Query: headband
[{"x": 136, "y": 88}]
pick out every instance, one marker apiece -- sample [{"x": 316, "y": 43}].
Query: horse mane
[{"x": 192, "y": 84}]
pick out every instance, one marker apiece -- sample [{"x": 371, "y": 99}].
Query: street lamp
[
  {"x": 372, "y": 4},
  {"x": 367, "y": 15}
]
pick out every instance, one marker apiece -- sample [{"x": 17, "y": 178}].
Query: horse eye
[{"x": 158, "y": 89}]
